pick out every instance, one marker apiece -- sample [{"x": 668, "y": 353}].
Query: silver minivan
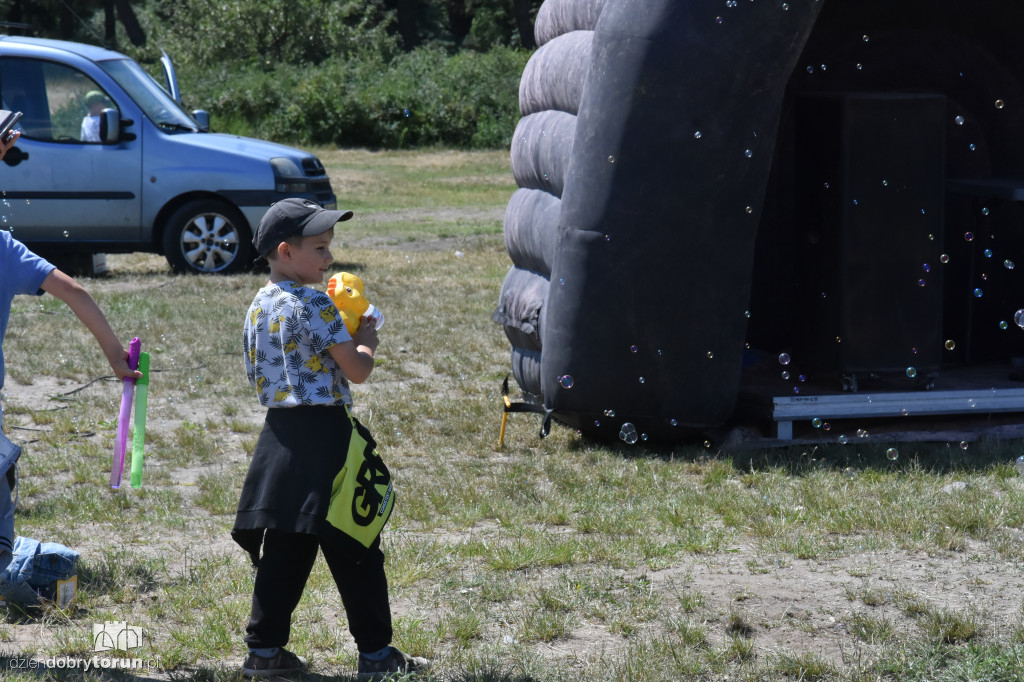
[{"x": 109, "y": 162}]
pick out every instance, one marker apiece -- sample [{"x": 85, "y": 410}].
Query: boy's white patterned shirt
[{"x": 287, "y": 333}]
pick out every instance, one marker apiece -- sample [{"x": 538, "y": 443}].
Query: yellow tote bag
[{"x": 362, "y": 495}]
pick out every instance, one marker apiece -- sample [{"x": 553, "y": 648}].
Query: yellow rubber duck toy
[{"x": 346, "y": 290}]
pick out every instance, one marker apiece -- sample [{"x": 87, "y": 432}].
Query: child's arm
[
  {"x": 355, "y": 357},
  {"x": 83, "y": 305}
]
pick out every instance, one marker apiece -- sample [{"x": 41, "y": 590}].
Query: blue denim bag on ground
[{"x": 35, "y": 569}]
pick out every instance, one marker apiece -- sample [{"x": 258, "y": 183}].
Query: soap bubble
[
  {"x": 978, "y": 293},
  {"x": 642, "y": 380},
  {"x": 892, "y": 454},
  {"x": 911, "y": 372},
  {"x": 710, "y": 355},
  {"x": 611, "y": 159},
  {"x": 999, "y": 104},
  {"x": 959, "y": 120},
  {"x": 66, "y": 234},
  {"x": 609, "y": 413},
  {"x": 784, "y": 358},
  {"x": 628, "y": 434},
  {"x": 984, "y": 210},
  {"x": 1018, "y": 317},
  {"x": 673, "y": 422},
  {"x": 816, "y": 422},
  {"x": 862, "y": 433},
  {"x": 926, "y": 267},
  {"x": 697, "y": 135},
  {"x": 1003, "y": 324},
  {"x": 969, "y": 236},
  {"x": 921, "y": 283},
  {"x": 950, "y": 344},
  {"x": 843, "y": 439},
  {"x": 748, "y": 153},
  {"x": 826, "y": 426},
  {"x": 633, "y": 348},
  {"x": 944, "y": 258},
  {"x": 566, "y": 381},
  {"x": 987, "y": 253},
  {"x": 1009, "y": 264},
  {"x": 1019, "y": 465},
  {"x": 972, "y": 146},
  {"x": 785, "y": 374}
]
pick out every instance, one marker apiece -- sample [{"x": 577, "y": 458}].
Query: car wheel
[{"x": 208, "y": 236}]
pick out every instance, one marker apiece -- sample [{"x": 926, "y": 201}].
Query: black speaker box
[{"x": 869, "y": 194}]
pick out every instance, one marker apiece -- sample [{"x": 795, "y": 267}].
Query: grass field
[{"x": 546, "y": 560}]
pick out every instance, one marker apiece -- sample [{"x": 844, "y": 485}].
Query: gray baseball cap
[{"x": 293, "y": 218}]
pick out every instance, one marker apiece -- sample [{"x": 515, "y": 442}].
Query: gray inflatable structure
[
  {"x": 642, "y": 157},
  {"x": 669, "y": 227}
]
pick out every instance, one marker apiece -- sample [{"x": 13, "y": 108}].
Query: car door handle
[{"x": 14, "y": 156}]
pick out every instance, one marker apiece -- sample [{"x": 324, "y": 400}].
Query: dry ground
[{"x": 794, "y": 607}]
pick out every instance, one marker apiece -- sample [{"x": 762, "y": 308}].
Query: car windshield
[{"x": 149, "y": 95}]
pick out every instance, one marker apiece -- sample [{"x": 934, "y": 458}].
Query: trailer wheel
[{"x": 208, "y": 236}]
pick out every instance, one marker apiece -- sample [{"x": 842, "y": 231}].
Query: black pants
[{"x": 281, "y": 577}]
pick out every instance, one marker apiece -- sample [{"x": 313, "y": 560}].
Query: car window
[
  {"x": 58, "y": 103},
  {"x": 149, "y": 95}
]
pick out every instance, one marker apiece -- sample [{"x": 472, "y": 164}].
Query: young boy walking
[{"x": 300, "y": 358}]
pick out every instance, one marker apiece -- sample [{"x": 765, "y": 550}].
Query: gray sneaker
[
  {"x": 283, "y": 664},
  {"x": 393, "y": 664}
]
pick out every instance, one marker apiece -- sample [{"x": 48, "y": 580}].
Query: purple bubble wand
[{"x": 127, "y": 396}]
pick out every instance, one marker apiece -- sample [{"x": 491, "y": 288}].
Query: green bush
[{"x": 421, "y": 98}]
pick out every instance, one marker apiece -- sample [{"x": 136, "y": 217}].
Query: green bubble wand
[{"x": 139, "y": 438}]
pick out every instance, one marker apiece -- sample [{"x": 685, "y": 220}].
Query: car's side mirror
[
  {"x": 111, "y": 127},
  {"x": 202, "y": 117}
]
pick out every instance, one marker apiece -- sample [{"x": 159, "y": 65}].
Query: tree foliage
[
  {"x": 205, "y": 33},
  {"x": 384, "y": 73}
]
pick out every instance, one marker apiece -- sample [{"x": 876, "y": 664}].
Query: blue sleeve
[{"x": 21, "y": 271}]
